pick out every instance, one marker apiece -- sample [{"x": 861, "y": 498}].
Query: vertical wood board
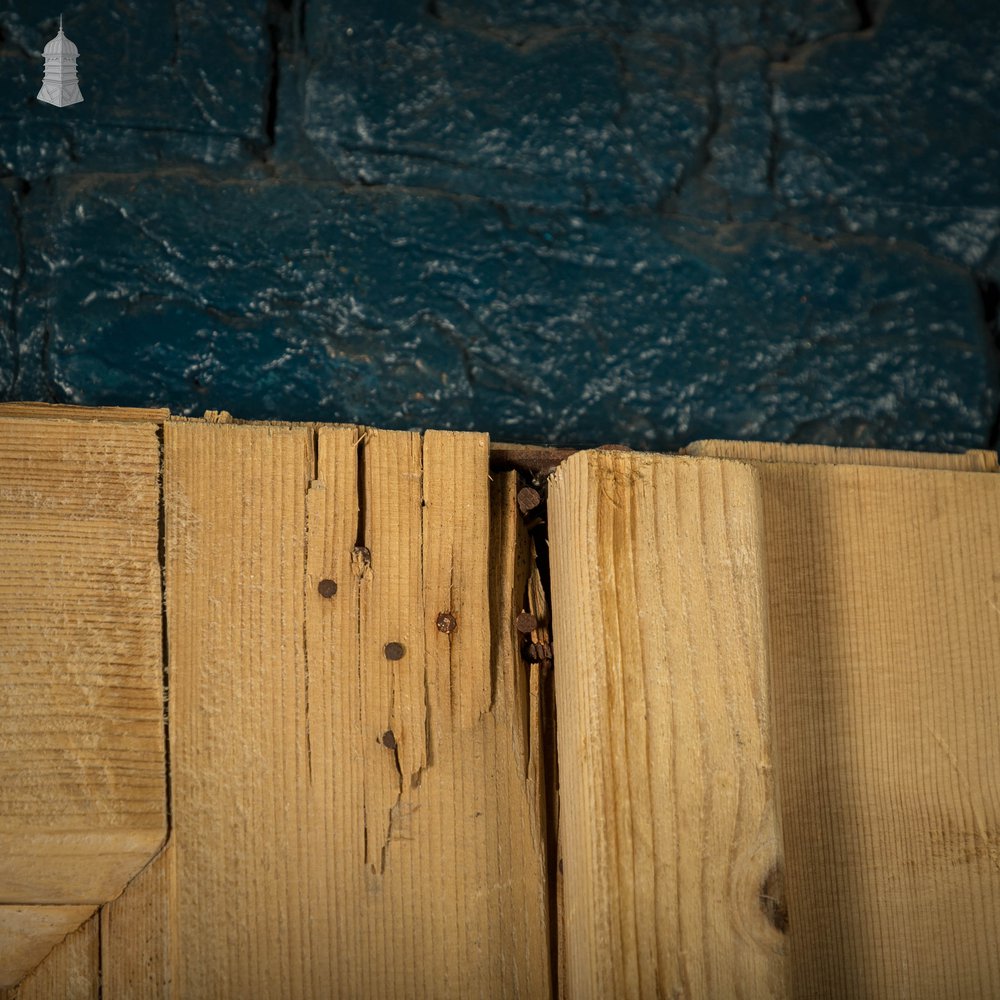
[
  {"x": 884, "y": 594},
  {"x": 138, "y": 934},
  {"x": 345, "y": 822},
  {"x": 234, "y": 502},
  {"x": 668, "y": 822}
]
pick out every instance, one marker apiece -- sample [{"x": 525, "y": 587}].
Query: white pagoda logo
[{"x": 59, "y": 85}]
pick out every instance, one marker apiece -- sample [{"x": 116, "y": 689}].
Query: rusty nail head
[
  {"x": 528, "y": 499},
  {"x": 327, "y": 588},
  {"x": 394, "y": 650},
  {"x": 389, "y": 740},
  {"x": 525, "y": 622},
  {"x": 446, "y": 622}
]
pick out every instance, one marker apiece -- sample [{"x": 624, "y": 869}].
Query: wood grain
[
  {"x": 437, "y": 853},
  {"x": 82, "y": 772},
  {"x": 884, "y": 594},
  {"x": 62, "y": 411},
  {"x": 138, "y": 939},
  {"x": 976, "y": 460},
  {"x": 667, "y": 815},
  {"x": 27, "y": 935},
  {"x": 314, "y": 854},
  {"x": 235, "y": 542}
]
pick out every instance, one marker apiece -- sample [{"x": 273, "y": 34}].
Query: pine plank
[
  {"x": 884, "y": 597},
  {"x": 28, "y": 934},
  {"x": 234, "y": 505},
  {"x": 363, "y": 865},
  {"x": 439, "y": 868},
  {"x": 137, "y": 939},
  {"x": 63, "y": 411},
  {"x": 974, "y": 460},
  {"x": 71, "y": 971},
  {"x": 82, "y": 771},
  {"x": 668, "y": 821}
]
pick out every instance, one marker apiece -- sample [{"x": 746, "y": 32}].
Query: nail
[
  {"x": 394, "y": 650},
  {"x": 446, "y": 622},
  {"x": 327, "y": 588},
  {"x": 525, "y": 622},
  {"x": 537, "y": 652},
  {"x": 528, "y": 498}
]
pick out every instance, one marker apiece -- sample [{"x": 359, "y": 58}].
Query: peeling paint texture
[{"x": 557, "y": 222}]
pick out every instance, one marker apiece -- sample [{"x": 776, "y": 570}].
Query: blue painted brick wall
[{"x": 642, "y": 221}]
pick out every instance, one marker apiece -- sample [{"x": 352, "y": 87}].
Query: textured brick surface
[{"x": 572, "y": 222}]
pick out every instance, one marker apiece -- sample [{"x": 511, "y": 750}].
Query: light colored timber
[
  {"x": 27, "y": 935},
  {"x": 61, "y": 411},
  {"x": 668, "y": 821},
  {"x": 884, "y": 593},
  {"x": 884, "y": 612},
  {"x": 976, "y": 460},
  {"x": 314, "y": 854},
  {"x": 138, "y": 935},
  {"x": 82, "y": 769}
]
